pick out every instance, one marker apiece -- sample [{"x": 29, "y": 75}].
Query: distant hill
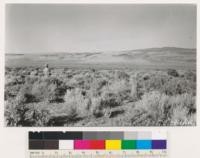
[
  {"x": 150, "y": 57},
  {"x": 165, "y": 49}
]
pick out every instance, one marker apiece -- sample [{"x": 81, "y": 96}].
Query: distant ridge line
[{"x": 99, "y": 52}]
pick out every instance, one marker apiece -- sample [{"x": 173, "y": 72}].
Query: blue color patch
[{"x": 144, "y": 144}]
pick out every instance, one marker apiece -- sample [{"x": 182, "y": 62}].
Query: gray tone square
[
  {"x": 144, "y": 135},
  {"x": 130, "y": 135},
  {"x": 90, "y": 135}
]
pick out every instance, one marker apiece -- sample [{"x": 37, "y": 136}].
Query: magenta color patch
[{"x": 81, "y": 144}]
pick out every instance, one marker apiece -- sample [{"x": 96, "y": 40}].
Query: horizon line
[{"x": 99, "y": 50}]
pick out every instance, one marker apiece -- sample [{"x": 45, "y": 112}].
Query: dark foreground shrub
[
  {"x": 25, "y": 115},
  {"x": 172, "y": 72}
]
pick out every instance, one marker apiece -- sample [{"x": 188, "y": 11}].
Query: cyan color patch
[{"x": 143, "y": 144}]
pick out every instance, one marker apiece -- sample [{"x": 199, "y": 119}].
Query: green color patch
[{"x": 128, "y": 144}]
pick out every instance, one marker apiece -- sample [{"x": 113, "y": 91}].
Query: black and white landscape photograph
[{"x": 89, "y": 65}]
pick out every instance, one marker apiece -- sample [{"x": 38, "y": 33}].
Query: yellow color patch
[{"x": 113, "y": 144}]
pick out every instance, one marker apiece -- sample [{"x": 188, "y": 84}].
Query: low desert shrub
[
  {"x": 110, "y": 99},
  {"x": 11, "y": 116},
  {"x": 11, "y": 91},
  {"x": 25, "y": 115},
  {"x": 101, "y": 107},
  {"x": 166, "y": 84},
  {"x": 11, "y": 81},
  {"x": 24, "y": 96},
  {"x": 134, "y": 88},
  {"x": 40, "y": 117},
  {"x": 121, "y": 75},
  {"x": 118, "y": 88},
  {"x": 50, "y": 89},
  {"x": 77, "y": 81},
  {"x": 110, "y": 95},
  {"x": 72, "y": 112},
  {"x": 177, "y": 86},
  {"x": 30, "y": 80},
  {"x": 180, "y": 117},
  {"x": 190, "y": 75},
  {"x": 185, "y": 101},
  {"x": 161, "y": 109},
  {"x": 96, "y": 108},
  {"x": 155, "y": 97},
  {"x": 172, "y": 72},
  {"x": 154, "y": 83},
  {"x": 98, "y": 84},
  {"x": 76, "y": 103},
  {"x": 156, "y": 107},
  {"x": 41, "y": 89}
]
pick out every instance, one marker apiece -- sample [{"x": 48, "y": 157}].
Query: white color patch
[
  {"x": 66, "y": 144},
  {"x": 159, "y": 135}
]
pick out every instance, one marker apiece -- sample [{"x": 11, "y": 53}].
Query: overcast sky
[{"x": 78, "y": 28}]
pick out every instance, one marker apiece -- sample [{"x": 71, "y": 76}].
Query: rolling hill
[{"x": 165, "y": 57}]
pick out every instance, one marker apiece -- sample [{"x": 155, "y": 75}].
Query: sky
[{"x": 36, "y": 28}]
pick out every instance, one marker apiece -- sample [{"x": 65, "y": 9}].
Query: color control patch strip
[{"x": 141, "y": 140}]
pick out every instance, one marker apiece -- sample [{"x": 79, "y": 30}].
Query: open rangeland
[{"x": 150, "y": 87}]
